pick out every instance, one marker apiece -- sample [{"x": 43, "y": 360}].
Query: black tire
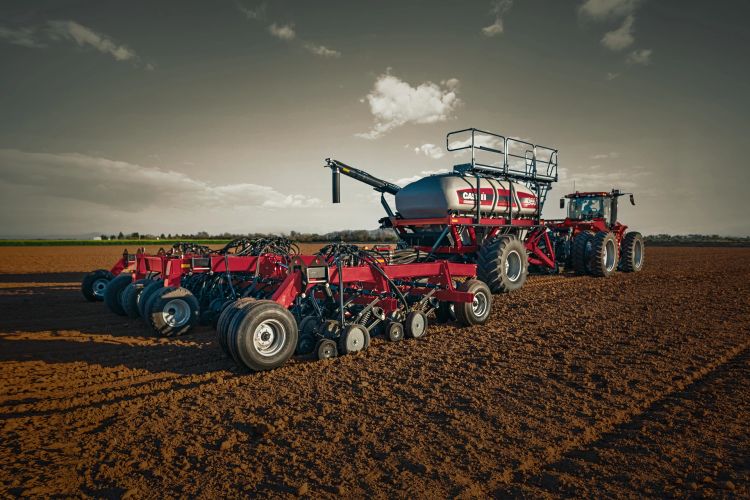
[
  {"x": 95, "y": 283},
  {"x": 478, "y": 311},
  {"x": 114, "y": 290},
  {"x": 445, "y": 313},
  {"x": 603, "y": 260},
  {"x": 503, "y": 264},
  {"x": 394, "y": 331},
  {"x": 266, "y": 323},
  {"x": 225, "y": 319},
  {"x": 130, "y": 297},
  {"x": 307, "y": 338},
  {"x": 632, "y": 252},
  {"x": 581, "y": 253},
  {"x": 326, "y": 349},
  {"x": 355, "y": 338},
  {"x": 173, "y": 312},
  {"x": 146, "y": 294},
  {"x": 415, "y": 325}
]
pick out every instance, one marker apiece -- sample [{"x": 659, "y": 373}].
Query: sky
[{"x": 181, "y": 116}]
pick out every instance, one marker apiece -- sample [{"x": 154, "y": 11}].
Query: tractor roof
[{"x": 588, "y": 194}]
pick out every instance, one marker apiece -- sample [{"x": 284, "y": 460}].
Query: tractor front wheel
[
  {"x": 603, "y": 259},
  {"x": 503, "y": 264},
  {"x": 632, "y": 253}
]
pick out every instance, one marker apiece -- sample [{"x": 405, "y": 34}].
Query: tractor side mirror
[
  {"x": 562, "y": 202},
  {"x": 632, "y": 200}
]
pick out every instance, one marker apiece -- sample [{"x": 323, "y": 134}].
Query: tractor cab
[{"x": 591, "y": 206}]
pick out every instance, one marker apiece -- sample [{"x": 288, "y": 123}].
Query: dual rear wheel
[{"x": 600, "y": 255}]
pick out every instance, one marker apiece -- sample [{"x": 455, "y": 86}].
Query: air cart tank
[{"x": 437, "y": 195}]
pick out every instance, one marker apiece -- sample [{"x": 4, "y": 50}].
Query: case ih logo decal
[{"x": 469, "y": 197}]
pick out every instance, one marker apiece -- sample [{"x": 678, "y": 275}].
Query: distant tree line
[
  {"x": 697, "y": 240},
  {"x": 349, "y": 235}
]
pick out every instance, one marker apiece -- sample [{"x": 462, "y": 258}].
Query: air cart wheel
[
  {"x": 130, "y": 297},
  {"x": 415, "y": 325},
  {"x": 173, "y": 312},
  {"x": 503, "y": 264},
  {"x": 603, "y": 254},
  {"x": 477, "y": 311},
  {"x": 114, "y": 290},
  {"x": 581, "y": 253},
  {"x": 632, "y": 253},
  {"x": 394, "y": 331},
  {"x": 445, "y": 312},
  {"x": 354, "y": 339},
  {"x": 306, "y": 342},
  {"x": 266, "y": 337},
  {"x": 94, "y": 284},
  {"x": 326, "y": 349},
  {"x": 146, "y": 294},
  {"x": 225, "y": 320}
]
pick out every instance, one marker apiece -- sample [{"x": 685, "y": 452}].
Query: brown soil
[{"x": 637, "y": 385}]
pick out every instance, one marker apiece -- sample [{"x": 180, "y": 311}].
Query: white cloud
[
  {"x": 321, "y": 50},
  {"x": 393, "y": 103},
  {"x": 622, "y": 37},
  {"x": 25, "y": 37},
  {"x": 642, "y": 56},
  {"x": 611, "y": 76},
  {"x": 282, "y": 31},
  {"x": 431, "y": 150},
  {"x": 424, "y": 173},
  {"x": 85, "y": 36},
  {"x": 607, "y": 9},
  {"x": 128, "y": 187},
  {"x": 605, "y": 156},
  {"x": 255, "y": 14},
  {"x": 499, "y": 8},
  {"x": 480, "y": 139}
]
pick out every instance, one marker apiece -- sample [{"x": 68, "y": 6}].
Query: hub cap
[
  {"x": 479, "y": 305},
  {"x": 513, "y": 266},
  {"x": 176, "y": 313},
  {"x": 638, "y": 254},
  {"x": 609, "y": 255},
  {"x": 99, "y": 286},
  {"x": 269, "y": 337}
]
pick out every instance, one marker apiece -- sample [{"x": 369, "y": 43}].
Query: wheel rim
[
  {"x": 417, "y": 325},
  {"x": 176, "y": 313},
  {"x": 638, "y": 254},
  {"x": 269, "y": 337},
  {"x": 479, "y": 305},
  {"x": 355, "y": 340},
  {"x": 98, "y": 287},
  {"x": 513, "y": 266},
  {"x": 609, "y": 255}
]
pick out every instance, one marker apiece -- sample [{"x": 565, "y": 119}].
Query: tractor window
[{"x": 588, "y": 208}]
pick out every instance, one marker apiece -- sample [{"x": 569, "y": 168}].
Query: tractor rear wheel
[
  {"x": 267, "y": 336},
  {"x": 477, "y": 311},
  {"x": 173, "y": 312},
  {"x": 581, "y": 252},
  {"x": 94, "y": 284},
  {"x": 632, "y": 253},
  {"x": 113, "y": 292},
  {"x": 603, "y": 259},
  {"x": 503, "y": 264}
]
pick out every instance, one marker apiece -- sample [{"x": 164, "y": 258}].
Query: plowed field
[{"x": 637, "y": 385}]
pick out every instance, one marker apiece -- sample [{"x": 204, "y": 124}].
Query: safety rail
[{"x": 523, "y": 167}]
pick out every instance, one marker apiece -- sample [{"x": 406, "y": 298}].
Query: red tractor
[{"x": 591, "y": 240}]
